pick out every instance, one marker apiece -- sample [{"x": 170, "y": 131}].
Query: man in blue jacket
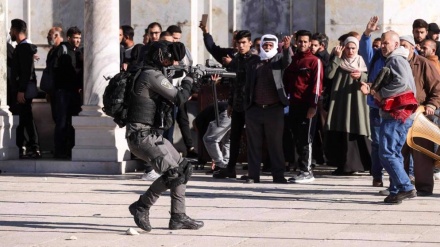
[{"x": 375, "y": 62}]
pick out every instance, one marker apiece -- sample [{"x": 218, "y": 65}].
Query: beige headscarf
[{"x": 354, "y": 63}]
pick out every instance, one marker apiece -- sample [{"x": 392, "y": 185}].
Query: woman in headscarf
[{"x": 347, "y": 145}]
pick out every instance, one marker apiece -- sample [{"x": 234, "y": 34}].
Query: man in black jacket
[
  {"x": 130, "y": 51},
  {"x": 23, "y": 74},
  {"x": 236, "y": 101},
  {"x": 222, "y": 55},
  {"x": 264, "y": 103},
  {"x": 68, "y": 68}
]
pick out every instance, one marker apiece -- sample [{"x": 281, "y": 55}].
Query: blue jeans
[
  {"x": 217, "y": 141},
  {"x": 376, "y": 166},
  {"x": 392, "y": 136}
]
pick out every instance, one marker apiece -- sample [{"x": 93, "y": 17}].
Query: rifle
[{"x": 199, "y": 72}]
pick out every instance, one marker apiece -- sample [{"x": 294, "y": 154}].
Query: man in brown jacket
[
  {"x": 428, "y": 94},
  {"x": 428, "y": 49}
]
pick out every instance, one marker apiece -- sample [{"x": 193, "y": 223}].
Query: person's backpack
[
  {"x": 116, "y": 95},
  {"x": 47, "y": 81}
]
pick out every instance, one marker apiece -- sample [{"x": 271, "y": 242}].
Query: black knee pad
[{"x": 174, "y": 177}]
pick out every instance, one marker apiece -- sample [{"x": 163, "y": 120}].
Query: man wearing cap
[
  {"x": 397, "y": 102},
  {"x": 433, "y": 34},
  {"x": 427, "y": 81},
  {"x": 264, "y": 103},
  {"x": 303, "y": 80},
  {"x": 23, "y": 73}
]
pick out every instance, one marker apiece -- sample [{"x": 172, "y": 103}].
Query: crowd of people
[
  {"x": 62, "y": 80},
  {"x": 349, "y": 108},
  {"x": 336, "y": 112}
]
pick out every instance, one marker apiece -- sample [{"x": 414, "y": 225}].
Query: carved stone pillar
[{"x": 97, "y": 137}]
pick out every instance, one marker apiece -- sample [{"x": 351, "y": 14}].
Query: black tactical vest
[{"x": 148, "y": 107}]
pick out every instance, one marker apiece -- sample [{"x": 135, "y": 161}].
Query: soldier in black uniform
[{"x": 149, "y": 114}]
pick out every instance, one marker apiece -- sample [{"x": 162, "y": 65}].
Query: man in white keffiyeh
[{"x": 268, "y": 46}]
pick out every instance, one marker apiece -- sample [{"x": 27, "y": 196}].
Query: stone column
[
  {"x": 8, "y": 147},
  {"x": 97, "y": 138}
]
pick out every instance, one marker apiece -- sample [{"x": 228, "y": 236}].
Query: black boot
[
  {"x": 141, "y": 215},
  {"x": 182, "y": 221},
  {"x": 225, "y": 173}
]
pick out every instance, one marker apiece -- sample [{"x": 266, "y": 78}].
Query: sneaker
[
  {"x": 141, "y": 214},
  {"x": 224, "y": 173},
  {"x": 151, "y": 176},
  {"x": 399, "y": 197},
  {"x": 182, "y": 221},
  {"x": 302, "y": 178},
  {"x": 385, "y": 192}
]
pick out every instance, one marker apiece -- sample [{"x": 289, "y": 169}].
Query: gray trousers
[
  {"x": 217, "y": 141},
  {"x": 265, "y": 123},
  {"x": 160, "y": 153}
]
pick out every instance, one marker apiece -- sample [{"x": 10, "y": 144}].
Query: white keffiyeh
[{"x": 270, "y": 54}]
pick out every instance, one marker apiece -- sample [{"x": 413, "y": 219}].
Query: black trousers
[
  {"x": 237, "y": 125},
  {"x": 183, "y": 122},
  {"x": 67, "y": 104},
  {"x": 27, "y": 135},
  {"x": 303, "y": 130},
  {"x": 263, "y": 123}
]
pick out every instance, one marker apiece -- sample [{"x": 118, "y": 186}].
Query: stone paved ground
[{"x": 47, "y": 210}]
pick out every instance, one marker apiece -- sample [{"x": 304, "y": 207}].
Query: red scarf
[{"x": 400, "y": 106}]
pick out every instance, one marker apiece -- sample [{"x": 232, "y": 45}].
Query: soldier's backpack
[{"x": 116, "y": 95}]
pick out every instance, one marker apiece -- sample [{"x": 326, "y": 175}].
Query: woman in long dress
[{"x": 347, "y": 145}]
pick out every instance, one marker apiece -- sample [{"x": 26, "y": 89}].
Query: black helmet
[{"x": 161, "y": 51}]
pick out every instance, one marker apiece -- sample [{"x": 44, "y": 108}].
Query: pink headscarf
[{"x": 355, "y": 63}]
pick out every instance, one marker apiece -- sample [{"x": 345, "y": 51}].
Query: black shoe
[
  {"x": 399, "y": 197},
  {"x": 340, "y": 172},
  {"x": 280, "y": 180},
  {"x": 34, "y": 154},
  {"x": 191, "y": 153},
  {"x": 182, "y": 221},
  {"x": 424, "y": 193},
  {"x": 377, "y": 183},
  {"x": 224, "y": 173},
  {"x": 251, "y": 181},
  {"x": 266, "y": 169},
  {"x": 141, "y": 214}
]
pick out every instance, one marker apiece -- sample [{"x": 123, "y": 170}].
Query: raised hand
[
  {"x": 338, "y": 51},
  {"x": 203, "y": 28},
  {"x": 286, "y": 41},
  {"x": 372, "y": 25}
]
